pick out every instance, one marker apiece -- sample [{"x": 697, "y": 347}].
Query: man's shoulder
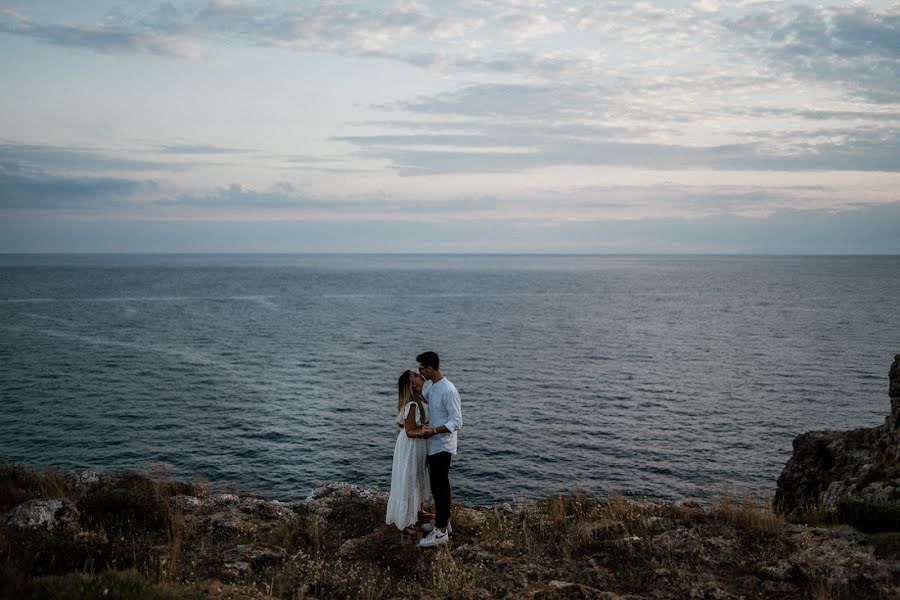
[
  {"x": 441, "y": 386},
  {"x": 449, "y": 386}
]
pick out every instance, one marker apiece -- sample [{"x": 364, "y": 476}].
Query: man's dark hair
[{"x": 429, "y": 359}]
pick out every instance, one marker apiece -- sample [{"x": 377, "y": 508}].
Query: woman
[{"x": 409, "y": 475}]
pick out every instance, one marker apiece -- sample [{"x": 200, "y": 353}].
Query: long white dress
[{"x": 409, "y": 475}]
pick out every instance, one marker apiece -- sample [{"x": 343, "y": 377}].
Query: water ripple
[{"x": 666, "y": 377}]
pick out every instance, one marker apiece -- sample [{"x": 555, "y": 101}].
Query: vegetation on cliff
[{"x": 150, "y": 536}]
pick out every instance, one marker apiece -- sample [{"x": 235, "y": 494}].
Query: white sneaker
[
  {"x": 436, "y": 537},
  {"x": 427, "y": 527}
]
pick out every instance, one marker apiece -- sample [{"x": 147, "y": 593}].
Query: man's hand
[{"x": 427, "y": 432}]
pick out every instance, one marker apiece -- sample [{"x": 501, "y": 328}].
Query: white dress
[{"x": 409, "y": 474}]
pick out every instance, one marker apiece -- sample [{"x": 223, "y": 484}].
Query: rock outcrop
[
  {"x": 828, "y": 467},
  {"x": 336, "y": 545},
  {"x": 43, "y": 514}
]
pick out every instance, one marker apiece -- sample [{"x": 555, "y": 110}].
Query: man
[{"x": 445, "y": 419}]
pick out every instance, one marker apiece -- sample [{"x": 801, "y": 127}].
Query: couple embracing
[{"x": 430, "y": 414}]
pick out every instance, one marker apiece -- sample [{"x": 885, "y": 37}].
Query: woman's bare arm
[{"x": 410, "y": 425}]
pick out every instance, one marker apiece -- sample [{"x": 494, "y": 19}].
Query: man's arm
[{"x": 454, "y": 412}]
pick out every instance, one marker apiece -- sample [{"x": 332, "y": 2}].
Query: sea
[{"x": 663, "y": 377}]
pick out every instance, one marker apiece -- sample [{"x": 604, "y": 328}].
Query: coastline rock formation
[
  {"x": 829, "y": 468},
  {"x": 151, "y": 536}
]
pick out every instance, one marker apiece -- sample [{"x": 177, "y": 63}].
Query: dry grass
[
  {"x": 580, "y": 544},
  {"x": 18, "y": 483},
  {"x": 751, "y": 511}
]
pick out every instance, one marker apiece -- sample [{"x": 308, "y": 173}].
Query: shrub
[
  {"x": 887, "y": 545},
  {"x": 18, "y": 484},
  {"x": 351, "y": 514},
  {"x": 869, "y": 517},
  {"x": 123, "y": 503},
  {"x": 751, "y": 512},
  {"x": 112, "y": 585},
  {"x": 49, "y": 552}
]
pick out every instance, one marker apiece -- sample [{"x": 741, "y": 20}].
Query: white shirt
[{"x": 444, "y": 408}]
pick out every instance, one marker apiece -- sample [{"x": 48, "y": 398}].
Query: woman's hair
[{"x": 405, "y": 394}]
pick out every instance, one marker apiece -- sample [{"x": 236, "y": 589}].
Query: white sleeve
[
  {"x": 454, "y": 410},
  {"x": 405, "y": 413}
]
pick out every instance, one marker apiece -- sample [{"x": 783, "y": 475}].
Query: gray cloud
[
  {"x": 338, "y": 28},
  {"x": 285, "y": 196},
  {"x": 518, "y": 115},
  {"x": 74, "y": 158},
  {"x": 236, "y": 196},
  {"x": 512, "y": 101},
  {"x": 713, "y": 199},
  {"x": 169, "y": 31},
  {"x": 859, "y": 155},
  {"x": 112, "y": 37},
  {"x": 198, "y": 149},
  {"x": 556, "y": 66},
  {"x": 526, "y": 136},
  {"x": 821, "y": 115},
  {"x": 852, "y": 46},
  {"x": 30, "y": 189}
]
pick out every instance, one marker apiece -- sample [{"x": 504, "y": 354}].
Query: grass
[
  {"x": 868, "y": 517},
  {"x": 18, "y": 484},
  {"x": 112, "y": 585},
  {"x": 135, "y": 542},
  {"x": 751, "y": 511}
]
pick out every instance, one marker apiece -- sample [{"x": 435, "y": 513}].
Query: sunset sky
[{"x": 477, "y": 126}]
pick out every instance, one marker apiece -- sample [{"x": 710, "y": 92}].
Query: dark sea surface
[{"x": 669, "y": 377}]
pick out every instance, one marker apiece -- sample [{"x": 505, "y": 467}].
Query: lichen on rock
[{"x": 43, "y": 514}]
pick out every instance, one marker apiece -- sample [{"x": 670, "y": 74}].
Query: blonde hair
[{"x": 405, "y": 395}]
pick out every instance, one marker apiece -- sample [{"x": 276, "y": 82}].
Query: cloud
[
  {"x": 112, "y": 37},
  {"x": 29, "y": 189},
  {"x": 559, "y": 65},
  {"x": 286, "y": 199},
  {"x": 75, "y": 158},
  {"x": 545, "y": 101},
  {"x": 856, "y": 155},
  {"x": 169, "y": 31},
  {"x": 824, "y": 115},
  {"x": 644, "y": 24},
  {"x": 851, "y": 46},
  {"x": 339, "y": 28},
  {"x": 539, "y": 125},
  {"x": 198, "y": 149}
]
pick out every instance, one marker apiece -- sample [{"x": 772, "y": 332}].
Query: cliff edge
[
  {"x": 830, "y": 469},
  {"x": 151, "y": 537}
]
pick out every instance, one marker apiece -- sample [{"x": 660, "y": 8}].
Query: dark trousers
[{"x": 439, "y": 471}]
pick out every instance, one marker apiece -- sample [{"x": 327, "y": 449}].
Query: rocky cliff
[
  {"x": 140, "y": 537},
  {"x": 828, "y": 468}
]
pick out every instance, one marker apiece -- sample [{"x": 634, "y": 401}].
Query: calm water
[{"x": 661, "y": 376}]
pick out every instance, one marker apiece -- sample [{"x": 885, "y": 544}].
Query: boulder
[
  {"x": 225, "y": 499},
  {"x": 320, "y": 499},
  {"x": 185, "y": 502},
  {"x": 827, "y": 467},
  {"x": 229, "y": 523},
  {"x": 43, "y": 514},
  {"x": 256, "y": 555},
  {"x": 87, "y": 478},
  {"x": 267, "y": 510}
]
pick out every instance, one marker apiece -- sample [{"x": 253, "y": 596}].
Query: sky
[{"x": 714, "y": 126}]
